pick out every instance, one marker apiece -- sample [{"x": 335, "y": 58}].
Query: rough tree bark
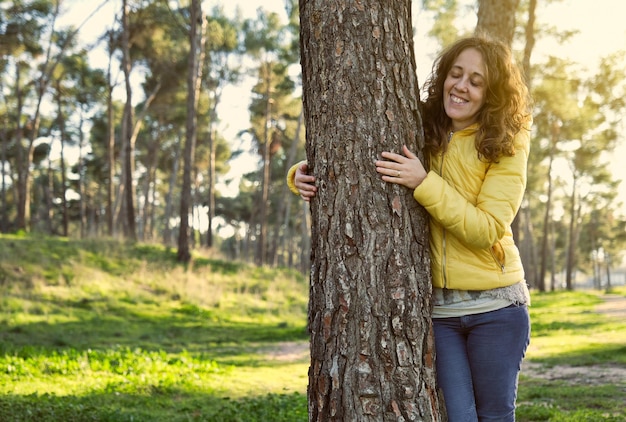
[{"x": 372, "y": 352}]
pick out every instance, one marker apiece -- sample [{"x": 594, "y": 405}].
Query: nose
[{"x": 461, "y": 85}]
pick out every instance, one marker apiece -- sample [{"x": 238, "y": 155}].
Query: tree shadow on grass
[
  {"x": 102, "y": 323},
  {"x": 158, "y": 406},
  {"x": 123, "y": 327},
  {"x": 589, "y": 355}
]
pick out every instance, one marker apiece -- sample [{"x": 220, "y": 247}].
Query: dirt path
[{"x": 613, "y": 306}]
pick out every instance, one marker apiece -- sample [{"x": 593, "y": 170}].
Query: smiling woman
[{"x": 464, "y": 89}]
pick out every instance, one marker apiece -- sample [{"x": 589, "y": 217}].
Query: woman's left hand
[{"x": 406, "y": 170}]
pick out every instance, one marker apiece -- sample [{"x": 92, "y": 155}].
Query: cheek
[{"x": 480, "y": 98}]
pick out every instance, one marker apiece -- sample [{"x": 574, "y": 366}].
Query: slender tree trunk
[
  {"x": 265, "y": 184},
  {"x": 530, "y": 42},
  {"x": 4, "y": 220},
  {"x": 211, "y": 187},
  {"x": 64, "y": 203},
  {"x": 284, "y": 202},
  {"x": 608, "y": 272},
  {"x": 82, "y": 183},
  {"x": 110, "y": 210},
  {"x": 169, "y": 200},
  {"x": 150, "y": 187},
  {"x": 573, "y": 237},
  {"x": 541, "y": 285},
  {"x": 26, "y": 152},
  {"x": 552, "y": 259},
  {"x": 372, "y": 350},
  {"x": 194, "y": 75},
  {"x": 153, "y": 198},
  {"x": 597, "y": 271},
  {"x": 62, "y": 136},
  {"x": 214, "y": 101},
  {"x": 130, "y": 230},
  {"x": 23, "y": 165},
  {"x": 49, "y": 196}
]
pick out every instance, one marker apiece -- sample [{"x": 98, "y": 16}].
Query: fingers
[
  {"x": 392, "y": 165},
  {"x": 387, "y": 169},
  {"x": 305, "y": 183},
  {"x": 406, "y": 170},
  {"x": 392, "y": 156}
]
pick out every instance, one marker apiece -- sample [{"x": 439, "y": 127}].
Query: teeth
[{"x": 457, "y": 99}]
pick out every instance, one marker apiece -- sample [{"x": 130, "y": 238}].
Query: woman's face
[{"x": 464, "y": 88}]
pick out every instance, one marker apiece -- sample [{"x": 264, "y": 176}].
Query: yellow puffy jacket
[{"x": 472, "y": 204}]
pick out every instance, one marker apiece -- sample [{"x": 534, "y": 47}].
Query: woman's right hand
[{"x": 305, "y": 183}]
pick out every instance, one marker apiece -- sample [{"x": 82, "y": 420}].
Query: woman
[{"x": 477, "y": 124}]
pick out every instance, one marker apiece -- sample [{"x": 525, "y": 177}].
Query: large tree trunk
[{"x": 372, "y": 351}]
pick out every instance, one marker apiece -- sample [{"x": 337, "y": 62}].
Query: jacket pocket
[{"x": 497, "y": 252}]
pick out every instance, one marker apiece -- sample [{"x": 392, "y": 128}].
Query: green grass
[
  {"x": 108, "y": 331},
  {"x": 566, "y": 331}
]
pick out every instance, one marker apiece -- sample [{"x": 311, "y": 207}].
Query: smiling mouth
[{"x": 457, "y": 100}]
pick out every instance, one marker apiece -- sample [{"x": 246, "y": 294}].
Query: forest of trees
[{"x": 78, "y": 161}]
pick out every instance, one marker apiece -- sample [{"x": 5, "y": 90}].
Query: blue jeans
[{"x": 478, "y": 360}]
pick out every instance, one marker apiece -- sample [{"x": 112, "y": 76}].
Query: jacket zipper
[{"x": 443, "y": 234}]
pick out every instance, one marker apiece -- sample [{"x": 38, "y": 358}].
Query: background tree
[
  {"x": 194, "y": 75},
  {"x": 575, "y": 124},
  {"x": 497, "y": 18},
  {"x": 30, "y": 22},
  {"x": 127, "y": 130},
  {"x": 264, "y": 40},
  {"x": 223, "y": 67}
]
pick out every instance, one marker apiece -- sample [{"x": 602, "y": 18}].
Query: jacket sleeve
[
  {"x": 291, "y": 177},
  {"x": 482, "y": 224}
]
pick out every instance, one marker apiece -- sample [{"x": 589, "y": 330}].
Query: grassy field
[{"x": 105, "y": 331}]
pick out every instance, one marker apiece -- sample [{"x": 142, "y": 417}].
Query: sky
[{"x": 600, "y": 24}]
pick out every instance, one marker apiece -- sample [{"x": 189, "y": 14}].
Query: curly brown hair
[{"x": 507, "y": 106}]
